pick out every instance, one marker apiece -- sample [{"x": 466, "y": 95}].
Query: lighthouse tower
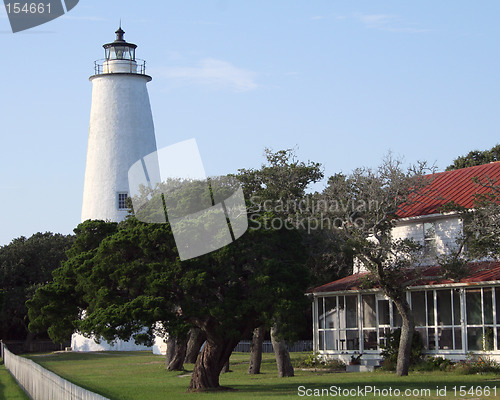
[{"x": 121, "y": 130}]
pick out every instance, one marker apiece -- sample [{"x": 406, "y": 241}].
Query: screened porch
[{"x": 450, "y": 319}]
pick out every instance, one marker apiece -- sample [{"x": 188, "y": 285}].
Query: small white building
[{"x": 452, "y": 317}]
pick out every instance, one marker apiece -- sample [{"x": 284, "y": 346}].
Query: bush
[
  {"x": 391, "y": 348},
  {"x": 477, "y": 364},
  {"x": 430, "y": 363},
  {"x": 314, "y": 360}
]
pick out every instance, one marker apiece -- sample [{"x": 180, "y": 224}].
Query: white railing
[{"x": 41, "y": 384}]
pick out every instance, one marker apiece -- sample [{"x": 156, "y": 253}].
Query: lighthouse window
[{"x": 122, "y": 201}]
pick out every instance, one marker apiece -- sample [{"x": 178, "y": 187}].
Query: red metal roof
[
  {"x": 485, "y": 271},
  {"x": 457, "y": 186}
]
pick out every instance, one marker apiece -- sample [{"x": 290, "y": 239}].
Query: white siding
[{"x": 448, "y": 228}]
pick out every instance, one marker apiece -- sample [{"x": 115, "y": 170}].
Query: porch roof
[{"x": 486, "y": 271}]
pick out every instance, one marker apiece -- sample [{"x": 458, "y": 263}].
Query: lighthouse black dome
[{"x": 120, "y": 49}]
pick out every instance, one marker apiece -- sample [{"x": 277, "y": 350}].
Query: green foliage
[
  {"x": 129, "y": 276},
  {"x": 473, "y": 364},
  {"x": 314, "y": 360},
  {"x": 476, "y": 157},
  {"x": 282, "y": 178},
  {"x": 25, "y": 264},
  {"x": 390, "y": 349},
  {"x": 277, "y": 192},
  {"x": 430, "y": 363},
  {"x": 477, "y": 364},
  {"x": 57, "y": 305}
]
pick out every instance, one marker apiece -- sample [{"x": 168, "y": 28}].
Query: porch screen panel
[
  {"x": 397, "y": 321},
  {"x": 445, "y": 338},
  {"x": 497, "y": 299},
  {"x": 489, "y": 335},
  {"x": 458, "y": 338},
  {"x": 351, "y": 311},
  {"x": 383, "y": 312},
  {"x": 475, "y": 338},
  {"x": 331, "y": 313},
  {"x": 369, "y": 311},
  {"x": 457, "y": 309},
  {"x": 369, "y": 322},
  {"x": 488, "y": 306},
  {"x": 331, "y": 323},
  {"x": 430, "y": 307},
  {"x": 418, "y": 307},
  {"x": 321, "y": 340},
  {"x": 351, "y": 323},
  {"x": 321, "y": 313},
  {"x": 473, "y": 305},
  {"x": 444, "y": 312}
]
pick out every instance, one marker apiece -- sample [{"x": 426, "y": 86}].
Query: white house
[{"x": 452, "y": 317}]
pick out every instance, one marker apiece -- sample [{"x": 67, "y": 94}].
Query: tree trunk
[
  {"x": 209, "y": 364},
  {"x": 176, "y": 352},
  {"x": 169, "y": 354},
  {"x": 285, "y": 367},
  {"x": 404, "y": 352},
  {"x": 256, "y": 350},
  {"x": 196, "y": 339},
  {"x": 225, "y": 368}
]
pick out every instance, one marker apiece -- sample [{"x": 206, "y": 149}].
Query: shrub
[
  {"x": 391, "y": 348},
  {"x": 313, "y": 360},
  {"x": 430, "y": 363},
  {"x": 477, "y": 364}
]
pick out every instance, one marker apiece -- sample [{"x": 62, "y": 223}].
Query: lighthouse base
[{"x": 83, "y": 344}]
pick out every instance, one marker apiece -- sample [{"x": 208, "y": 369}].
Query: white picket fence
[{"x": 41, "y": 384}]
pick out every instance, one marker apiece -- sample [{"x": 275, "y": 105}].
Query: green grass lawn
[
  {"x": 141, "y": 375},
  {"x": 9, "y": 390}
]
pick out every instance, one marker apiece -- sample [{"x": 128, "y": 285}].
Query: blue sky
[{"x": 343, "y": 82}]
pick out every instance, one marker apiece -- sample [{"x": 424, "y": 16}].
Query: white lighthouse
[{"x": 121, "y": 130}]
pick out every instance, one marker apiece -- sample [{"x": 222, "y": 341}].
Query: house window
[
  {"x": 430, "y": 248},
  {"x": 122, "y": 201}
]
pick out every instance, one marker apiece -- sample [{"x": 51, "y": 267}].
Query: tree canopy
[
  {"x": 120, "y": 279},
  {"x": 25, "y": 264},
  {"x": 476, "y": 157}
]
